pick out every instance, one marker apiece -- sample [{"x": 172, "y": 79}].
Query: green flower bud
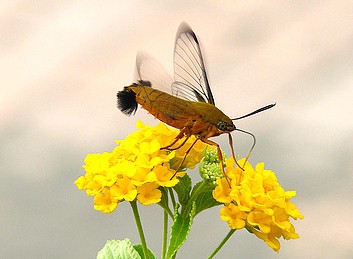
[{"x": 210, "y": 169}]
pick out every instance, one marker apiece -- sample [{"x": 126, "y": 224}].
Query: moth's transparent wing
[
  {"x": 149, "y": 69},
  {"x": 190, "y": 78}
]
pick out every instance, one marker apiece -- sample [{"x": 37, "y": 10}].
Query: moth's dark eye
[
  {"x": 225, "y": 127},
  {"x": 222, "y": 125}
]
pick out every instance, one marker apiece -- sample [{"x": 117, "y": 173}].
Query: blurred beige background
[{"x": 62, "y": 62}]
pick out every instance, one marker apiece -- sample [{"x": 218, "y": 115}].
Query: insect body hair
[{"x": 127, "y": 101}]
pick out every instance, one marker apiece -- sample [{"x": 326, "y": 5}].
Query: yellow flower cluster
[
  {"x": 137, "y": 167},
  {"x": 254, "y": 199}
]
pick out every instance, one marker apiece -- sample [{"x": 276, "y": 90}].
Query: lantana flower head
[
  {"x": 253, "y": 199},
  {"x": 137, "y": 167}
]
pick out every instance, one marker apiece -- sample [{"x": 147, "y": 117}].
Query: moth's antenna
[
  {"x": 264, "y": 108},
  {"x": 256, "y": 111}
]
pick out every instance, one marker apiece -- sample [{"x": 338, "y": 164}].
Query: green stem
[
  {"x": 230, "y": 233},
  {"x": 139, "y": 228},
  {"x": 169, "y": 212},
  {"x": 165, "y": 233},
  {"x": 172, "y": 197},
  {"x": 193, "y": 197}
]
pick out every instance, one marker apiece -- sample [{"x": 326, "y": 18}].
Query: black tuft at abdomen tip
[{"x": 127, "y": 101}]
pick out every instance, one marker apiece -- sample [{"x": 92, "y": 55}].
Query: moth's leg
[
  {"x": 186, "y": 153},
  {"x": 179, "y": 136},
  {"x": 231, "y": 147},
  {"x": 219, "y": 153}
]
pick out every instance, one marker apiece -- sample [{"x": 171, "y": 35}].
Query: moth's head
[{"x": 225, "y": 126}]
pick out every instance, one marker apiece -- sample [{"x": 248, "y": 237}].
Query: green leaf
[
  {"x": 183, "y": 189},
  {"x": 202, "y": 196},
  {"x": 139, "y": 249},
  {"x": 118, "y": 249},
  {"x": 179, "y": 233}
]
